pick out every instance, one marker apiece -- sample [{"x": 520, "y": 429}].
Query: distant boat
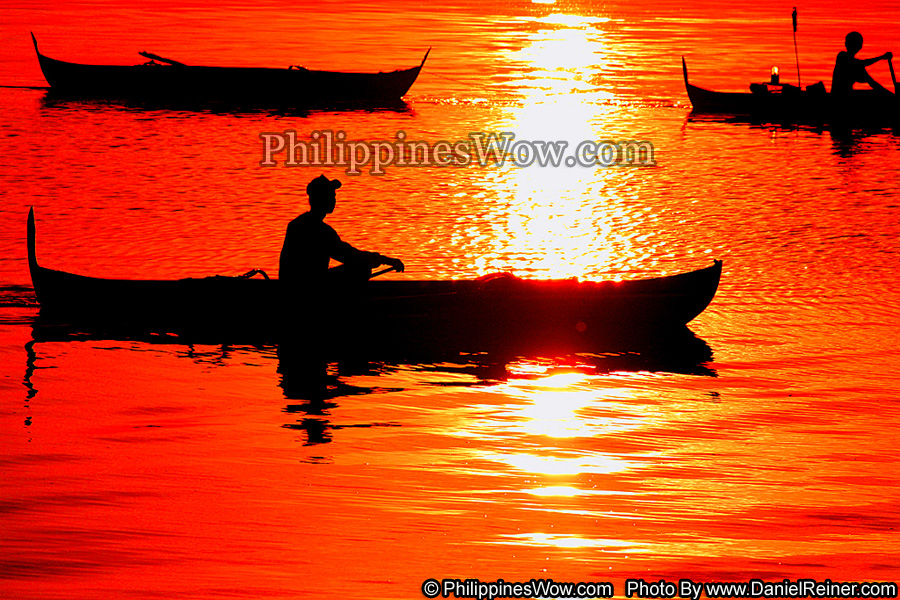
[
  {"x": 497, "y": 307},
  {"x": 787, "y": 104},
  {"x": 163, "y": 79}
]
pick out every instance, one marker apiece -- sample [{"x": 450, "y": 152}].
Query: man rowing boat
[
  {"x": 849, "y": 70},
  {"x": 310, "y": 244}
]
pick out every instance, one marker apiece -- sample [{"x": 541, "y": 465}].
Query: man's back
[
  {"x": 847, "y": 70},
  {"x": 308, "y": 247}
]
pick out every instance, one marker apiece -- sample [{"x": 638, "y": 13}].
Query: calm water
[{"x": 765, "y": 449}]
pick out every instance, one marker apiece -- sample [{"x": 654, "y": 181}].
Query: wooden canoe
[
  {"x": 791, "y": 105},
  {"x": 495, "y": 307},
  {"x": 289, "y": 87}
]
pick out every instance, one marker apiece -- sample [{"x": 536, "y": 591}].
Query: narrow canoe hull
[
  {"x": 258, "y": 86},
  {"x": 862, "y": 107},
  {"x": 420, "y": 312}
]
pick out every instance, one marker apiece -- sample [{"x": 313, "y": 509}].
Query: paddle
[
  {"x": 382, "y": 272},
  {"x": 796, "y": 55},
  {"x": 152, "y": 56}
]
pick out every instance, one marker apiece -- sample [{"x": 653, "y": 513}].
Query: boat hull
[
  {"x": 469, "y": 312},
  {"x": 296, "y": 88},
  {"x": 795, "y": 106}
]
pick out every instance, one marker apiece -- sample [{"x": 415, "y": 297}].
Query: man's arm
[
  {"x": 867, "y": 62},
  {"x": 874, "y": 84},
  {"x": 344, "y": 253}
]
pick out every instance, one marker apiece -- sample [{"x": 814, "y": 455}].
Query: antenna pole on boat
[{"x": 796, "y": 55}]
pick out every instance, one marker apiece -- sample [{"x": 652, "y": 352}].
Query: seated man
[
  {"x": 310, "y": 244},
  {"x": 849, "y": 70}
]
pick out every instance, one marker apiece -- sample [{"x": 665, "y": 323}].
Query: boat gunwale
[
  {"x": 563, "y": 286},
  {"x": 291, "y": 68}
]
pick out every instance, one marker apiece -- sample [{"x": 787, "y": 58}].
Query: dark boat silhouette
[
  {"x": 787, "y": 104},
  {"x": 495, "y": 308},
  {"x": 164, "y": 79}
]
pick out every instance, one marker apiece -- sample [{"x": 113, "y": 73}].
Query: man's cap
[{"x": 322, "y": 184}]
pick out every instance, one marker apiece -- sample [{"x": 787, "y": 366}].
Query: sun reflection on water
[
  {"x": 563, "y": 55},
  {"x": 562, "y": 221},
  {"x": 564, "y": 442},
  {"x": 569, "y": 541},
  {"x": 557, "y": 465},
  {"x": 559, "y": 406},
  {"x": 571, "y": 492}
]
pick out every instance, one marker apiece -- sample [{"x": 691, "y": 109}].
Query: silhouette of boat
[
  {"x": 169, "y": 80},
  {"x": 787, "y": 104},
  {"x": 495, "y": 307}
]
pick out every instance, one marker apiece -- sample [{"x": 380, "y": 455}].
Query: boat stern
[{"x": 34, "y": 268}]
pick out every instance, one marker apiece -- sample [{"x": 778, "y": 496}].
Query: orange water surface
[{"x": 761, "y": 448}]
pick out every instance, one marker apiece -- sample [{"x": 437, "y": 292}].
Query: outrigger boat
[
  {"x": 788, "y": 104},
  {"x": 163, "y": 79},
  {"x": 498, "y": 307}
]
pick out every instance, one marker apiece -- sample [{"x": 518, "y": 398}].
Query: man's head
[
  {"x": 853, "y": 42},
  {"x": 321, "y": 193}
]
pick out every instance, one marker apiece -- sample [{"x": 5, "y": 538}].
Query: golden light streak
[
  {"x": 569, "y": 541},
  {"x": 560, "y": 221}
]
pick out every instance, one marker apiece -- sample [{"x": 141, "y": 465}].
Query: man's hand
[
  {"x": 888, "y": 55},
  {"x": 393, "y": 262}
]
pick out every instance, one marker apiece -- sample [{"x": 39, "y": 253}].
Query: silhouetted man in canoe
[
  {"x": 310, "y": 244},
  {"x": 849, "y": 70}
]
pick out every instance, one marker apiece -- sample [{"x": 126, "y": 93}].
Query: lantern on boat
[{"x": 774, "y": 76}]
